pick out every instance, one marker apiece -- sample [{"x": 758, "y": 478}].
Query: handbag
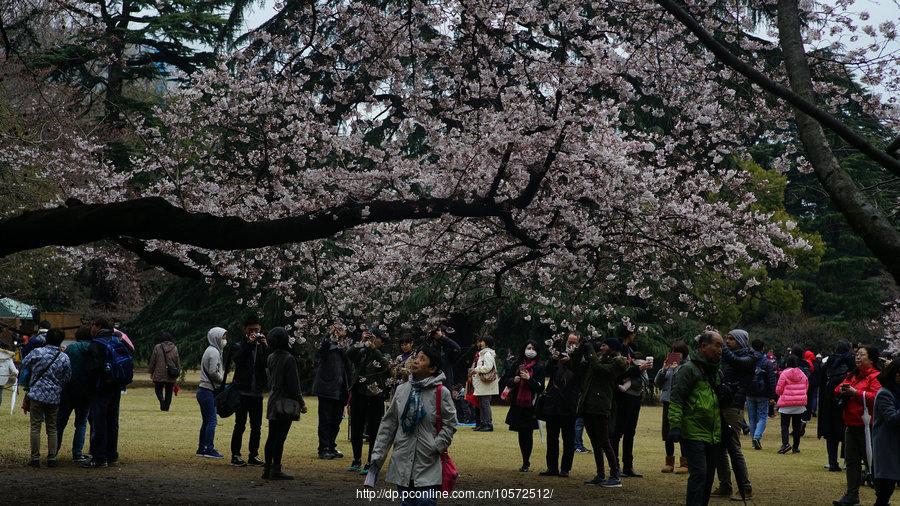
[
  {"x": 449, "y": 471},
  {"x": 490, "y": 376},
  {"x": 172, "y": 371},
  {"x": 228, "y": 400},
  {"x": 287, "y": 408}
]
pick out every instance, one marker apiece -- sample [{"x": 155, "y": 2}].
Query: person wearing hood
[
  {"x": 628, "y": 397},
  {"x": 695, "y": 417},
  {"x": 371, "y": 370},
  {"x": 830, "y": 424},
  {"x": 886, "y": 434},
  {"x": 792, "y": 390},
  {"x": 8, "y": 371},
  {"x": 485, "y": 381},
  {"x": 738, "y": 373},
  {"x": 76, "y": 395},
  {"x": 598, "y": 381},
  {"x": 285, "y": 400},
  {"x": 210, "y": 379},
  {"x": 164, "y": 362},
  {"x": 419, "y": 424}
]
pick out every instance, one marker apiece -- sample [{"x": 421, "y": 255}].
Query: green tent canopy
[{"x": 11, "y": 309}]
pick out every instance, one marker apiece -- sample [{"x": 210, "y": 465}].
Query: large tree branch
[
  {"x": 157, "y": 258},
  {"x": 805, "y": 104},
  {"x": 879, "y": 234}
]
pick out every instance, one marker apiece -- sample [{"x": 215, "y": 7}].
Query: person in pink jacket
[{"x": 791, "y": 389}]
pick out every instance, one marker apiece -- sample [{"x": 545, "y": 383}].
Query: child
[{"x": 791, "y": 389}]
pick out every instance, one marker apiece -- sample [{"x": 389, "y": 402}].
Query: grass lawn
[{"x": 158, "y": 465}]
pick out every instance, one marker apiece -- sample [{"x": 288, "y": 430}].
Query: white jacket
[
  {"x": 487, "y": 361},
  {"x": 8, "y": 371}
]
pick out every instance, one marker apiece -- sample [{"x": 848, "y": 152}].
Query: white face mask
[
  {"x": 291, "y": 341},
  {"x": 224, "y": 342},
  {"x": 530, "y": 353}
]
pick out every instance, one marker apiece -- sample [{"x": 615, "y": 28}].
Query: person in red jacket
[{"x": 861, "y": 384}]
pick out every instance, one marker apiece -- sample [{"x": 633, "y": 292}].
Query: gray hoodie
[
  {"x": 416, "y": 456},
  {"x": 211, "y": 364},
  {"x": 742, "y": 337}
]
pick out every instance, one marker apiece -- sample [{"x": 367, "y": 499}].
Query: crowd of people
[{"x": 410, "y": 402}]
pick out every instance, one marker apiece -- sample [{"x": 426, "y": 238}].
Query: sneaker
[
  {"x": 81, "y": 458},
  {"x": 365, "y": 469},
  {"x": 93, "y": 464},
  {"x": 611, "y": 482},
  {"x": 337, "y": 454},
  {"x": 563, "y": 474},
  {"x": 524, "y": 468},
  {"x": 354, "y": 466},
  {"x": 326, "y": 455},
  {"x": 846, "y": 501},
  {"x": 748, "y": 495},
  {"x": 213, "y": 454},
  {"x": 237, "y": 461},
  {"x": 629, "y": 473},
  {"x": 757, "y": 445},
  {"x": 784, "y": 449},
  {"x": 795, "y": 450},
  {"x": 254, "y": 461},
  {"x": 722, "y": 491},
  {"x": 548, "y": 472},
  {"x": 52, "y": 463},
  {"x": 582, "y": 450},
  {"x": 835, "y": 469},
  {"x": 200, "y": 452},
  {"x": 35, "y": 463},
  {"x": 596, "y": 480}
]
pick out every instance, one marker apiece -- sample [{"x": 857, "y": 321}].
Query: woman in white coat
[
  {"x": 8, "y": 371},
  {"x": 485, "y": 381}
]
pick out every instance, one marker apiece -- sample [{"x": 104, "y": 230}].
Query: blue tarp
[{"x": 10, "y": 308}]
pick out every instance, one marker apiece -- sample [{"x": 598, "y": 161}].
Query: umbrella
[
  {"x": 867, "y": 419},
  {"x": 15, "y": 389}
]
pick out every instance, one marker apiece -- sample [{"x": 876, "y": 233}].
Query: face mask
[
  {"x": 291, "y": 341},
  {"x": 530, "y": 353},
  {"x": 224, "y": 342}
]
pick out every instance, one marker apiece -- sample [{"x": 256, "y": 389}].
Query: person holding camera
[
  {"x": 862, "y": 385},
  {"x": 371, "y": 370},
  {"x": 332, "y": 387},
  {"x": 449, "y": 350},
  {"x": 249, "y": 357},
  {"x": 560, "y": 403},
  {"x": 628, "y": 401},
  {"x": 830, "y": 426},
  {"x": 525, "y": 383},
  {"x": 695, "y": 418}
]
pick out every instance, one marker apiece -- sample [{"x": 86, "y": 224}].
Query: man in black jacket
[
  {"x": 105, "y": 399},
  {"x": 332, "y": 387},
  {"x": 738, "y": 369},
  {"x": 249, "y": 357},
  {"x": 761, "y": 394}
]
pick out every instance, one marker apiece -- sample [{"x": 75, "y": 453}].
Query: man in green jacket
[{"x": 695, "y": 416}]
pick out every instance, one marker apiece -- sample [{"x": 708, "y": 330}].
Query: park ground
[{"x": 158, "y": 466}]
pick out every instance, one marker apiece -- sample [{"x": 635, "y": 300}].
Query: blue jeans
[
  {"x": 579, "y": 433},
  {"x": 82, "y": 408},
  {"x": 758, "y": 411},
  {"x": 207, "y": 400}
]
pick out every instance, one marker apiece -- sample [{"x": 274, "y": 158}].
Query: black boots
[{"x": 276, "y": 474}]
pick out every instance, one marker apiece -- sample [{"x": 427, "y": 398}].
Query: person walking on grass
[
  {"x": 248, "y": 357},
  {"x": 76, "y": 395},
  {"x": 595, "y": 404},
  {"x": 211, "y": 372},
  {"x": 164, "y": 362},
  {"x": 792, "y": 390},
  {"x": 886, "y": 434},
  {"x": 525, "y": 381},
  {"x": 50, "y": 371},
  {"x": 861, "y": 385},
  {"x": 485, "y": 381},
  {"x": 761, "y": 394},
  {"x": 412, "y": 428},
  {"x": 663, "y": 381},
  {"x": 8, "y": 371},
  {"x": 285, "y": 400},
  {"x": 371, "y": 370},
  {"x": 332, "y": 387},
  {"x": 695, "y": 418},
  {"x": 560, "y": 403}
]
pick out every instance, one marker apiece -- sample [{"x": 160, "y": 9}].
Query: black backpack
[{"x": 759, "y": 387}]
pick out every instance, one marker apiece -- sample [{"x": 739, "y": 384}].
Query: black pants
[
  {"x": 797, "y": 422},
  {"x": 884, "y": 489},
  {"x": 365, "y": 416},
  {"x": 251, "y": 406},
  {"x": 564, "y": 426},
  {"x": 702, "y": 459},
  {"x": 831, "y": 446},
  {"x": 164, "y": 395},
  {"x": 855, "y": 452},
  {"x": 329, "y": 422},
  {"x": 597, "y": 428},
  {"x": 628, "y": 409},
  {"x": 105, "y": 426},
  {"x": 526, "y": 444},
  {"x": 278, "y": 431}
]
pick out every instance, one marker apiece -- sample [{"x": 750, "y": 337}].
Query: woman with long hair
[{"x": 525, "y": 382}]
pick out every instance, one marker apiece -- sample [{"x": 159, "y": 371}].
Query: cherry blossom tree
[{"x": 353, "y": 153}]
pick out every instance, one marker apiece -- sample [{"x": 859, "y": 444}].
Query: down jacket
[{"x": 792, "y": 387}]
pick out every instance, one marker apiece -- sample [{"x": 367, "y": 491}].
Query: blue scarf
[{"x": 413, "y": 412}]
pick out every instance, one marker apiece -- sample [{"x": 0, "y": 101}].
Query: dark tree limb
[
  {"x": 879, "y": 234},
  {"x": 805, "y": 104},
  {"x": 894, "y": 147},
  {"x": 170, "y": 263}
]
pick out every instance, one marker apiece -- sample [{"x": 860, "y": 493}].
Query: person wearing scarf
[
  {"x": 409, "y": 426},
  {"x": 525, "y": 381}
]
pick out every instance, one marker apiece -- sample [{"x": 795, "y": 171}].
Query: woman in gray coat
[
  {"x": 886, "y": 434},
  {"x": 409, "y": 426}
]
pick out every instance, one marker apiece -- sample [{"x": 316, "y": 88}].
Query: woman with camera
[{"x": 860, "y": 386}]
